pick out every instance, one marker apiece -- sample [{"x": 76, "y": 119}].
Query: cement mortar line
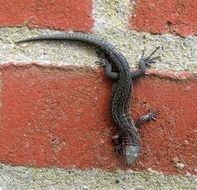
[
  {"x": 20, "y": 177},
  {"x": 177, "y": 53}
]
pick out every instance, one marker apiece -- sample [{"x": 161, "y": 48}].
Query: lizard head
[{"x": 131, "y": 153}]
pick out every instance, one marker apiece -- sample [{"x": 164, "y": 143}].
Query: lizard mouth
[{"x": 131, "y": 153}]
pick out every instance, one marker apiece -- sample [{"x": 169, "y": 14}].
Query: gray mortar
[
  {"x": 29, "y": 178},
  {"x": 178, "y": 54}
]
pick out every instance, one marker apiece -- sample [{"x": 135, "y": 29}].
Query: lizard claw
[
  {"x": 118, "y": 149},
  {"x": 148, "y": 60},
  {"x": 147, "y": 117},
  {"x": 116, "y": 142},
  {"x": 101, "y": 62}
]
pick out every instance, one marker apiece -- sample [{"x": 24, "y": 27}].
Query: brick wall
[{"x": 55, "y": 99}]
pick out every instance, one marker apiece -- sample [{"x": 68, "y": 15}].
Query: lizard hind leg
[
  {"x": 149, "y": 59},
  {"x": 108, "y": 66},
  {"x": 108, "y": 69},
  {"x": 143, "y": 63}
]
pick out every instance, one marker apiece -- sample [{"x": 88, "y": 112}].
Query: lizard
[{"x": 127, "y": 141}]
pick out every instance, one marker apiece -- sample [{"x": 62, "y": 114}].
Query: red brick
[
  {"x": 60, "y": 117},
  {"x": 172, "y": 16},
  {"x": 59, "y": 14}
]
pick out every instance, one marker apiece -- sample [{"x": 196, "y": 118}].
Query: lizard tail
[{"x": 74, "y": 36}]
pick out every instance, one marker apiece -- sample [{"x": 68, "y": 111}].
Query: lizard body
[{"x": 127, "y": 141}]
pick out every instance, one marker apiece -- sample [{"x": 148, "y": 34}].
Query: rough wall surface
[
  {"x": 57, "y": 14},
  {"x": 58, "y": 113},
  {"x": 55, "y": 97},
  {"x": 178, "y": 17},
  {"x": 22, "y": 178}
]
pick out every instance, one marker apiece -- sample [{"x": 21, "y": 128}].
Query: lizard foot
[
  {"x": 117, "y": 143},
  {"x": 147, "y": 117},
  {"x": 148, "y": 60},
  {"x": 101, "y": 62},
  {"x": 118, "y": 149}
]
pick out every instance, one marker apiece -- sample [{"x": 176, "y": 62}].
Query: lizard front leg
[
  {"x": 146, "y": 117},
  {"x": 116, "y": 139}
]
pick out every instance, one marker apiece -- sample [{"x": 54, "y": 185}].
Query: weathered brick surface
[
  {"x": 59, "y": 14},
  {"x": 160, "y": 16},
  {"x": 60, "y": 117},
  {"x": 156, "y": 16}
]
